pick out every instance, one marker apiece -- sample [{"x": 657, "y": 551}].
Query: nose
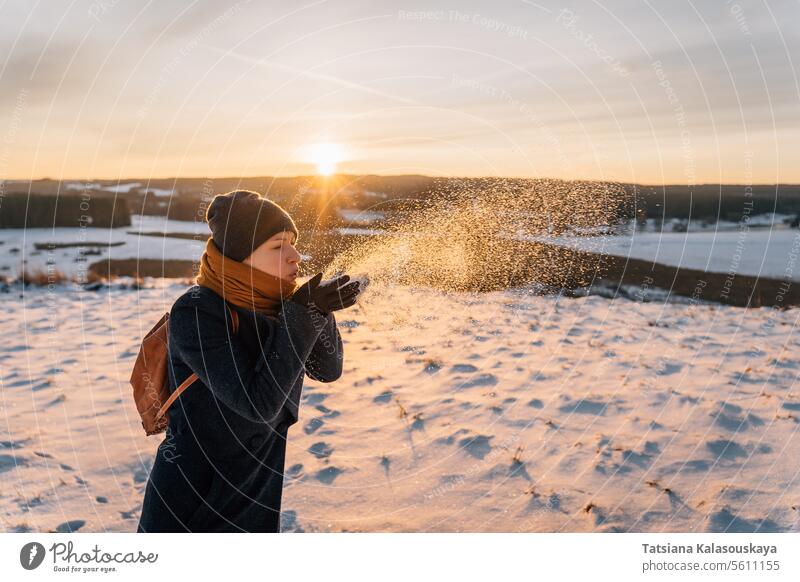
[{"x": 294, "y": 257}]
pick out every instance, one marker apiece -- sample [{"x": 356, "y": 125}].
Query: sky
[{"x": 679, "y": 92}]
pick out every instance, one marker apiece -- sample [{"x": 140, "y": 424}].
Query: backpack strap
[{"x": 190, "y": 380}]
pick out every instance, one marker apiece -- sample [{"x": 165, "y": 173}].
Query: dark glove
[{"x": 326, "y": 296}]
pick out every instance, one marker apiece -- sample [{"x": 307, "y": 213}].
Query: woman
[{"x": 220, "y": 467}]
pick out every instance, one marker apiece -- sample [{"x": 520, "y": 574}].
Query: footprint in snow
[{"x": 69, "y": 526}]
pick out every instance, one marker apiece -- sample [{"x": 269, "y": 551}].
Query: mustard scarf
[{"x": 241, "y": 284}]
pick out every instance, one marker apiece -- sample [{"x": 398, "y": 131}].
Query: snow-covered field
[
  {"x": 758, "y": 252},
  {"x": 765, "y": 252},
  {"x": 456, "y": 412},
  {"x": 120, "y": 188},
  {"x": 68, "y": 260}
]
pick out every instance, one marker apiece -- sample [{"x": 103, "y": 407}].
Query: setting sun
[{"x": 326, "y": 156}]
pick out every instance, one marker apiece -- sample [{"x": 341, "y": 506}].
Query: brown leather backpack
[{"x": 149, "y": 378}]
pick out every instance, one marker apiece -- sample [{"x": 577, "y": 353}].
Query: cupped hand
[{"x": 329, "y": 295}]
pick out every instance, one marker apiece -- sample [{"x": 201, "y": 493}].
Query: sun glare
[{"x": 326, "y": 156}]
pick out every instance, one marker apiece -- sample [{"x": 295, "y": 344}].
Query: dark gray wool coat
[{"x": 220, "y": 466}]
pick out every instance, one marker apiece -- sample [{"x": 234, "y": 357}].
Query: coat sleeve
[
  {"x": 325, "y": 361},
  {"x": 256, "y": 389}
]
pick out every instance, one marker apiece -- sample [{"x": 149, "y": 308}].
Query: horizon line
[{"x": 347, "y": 175}]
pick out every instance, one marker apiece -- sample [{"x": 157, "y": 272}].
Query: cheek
[
  {"x": 266, "y": 260},
  {"x": 273, "y": 258}
]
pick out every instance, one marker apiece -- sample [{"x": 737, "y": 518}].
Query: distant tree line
[
  {"x": 23, "y": 210},
  {"x": 701, "y": 202},
  {"x": 313, "y": 200},
  {"x": 710, "y": 202}
]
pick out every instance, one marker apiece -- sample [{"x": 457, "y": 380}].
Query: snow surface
[
  {"x": 758, "y": 252},
  {"x": 122, "y": 188},
  {"x": 765, "y": 252},
  {"x": 67, "y": 260},
  {"x": 622, "y": 416},
  {"x": 358, "y": 216}
]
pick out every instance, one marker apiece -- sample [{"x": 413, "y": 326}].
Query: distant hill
[
  {"x": 313, "y": 199},
  {"x": 23, "y": 210}
]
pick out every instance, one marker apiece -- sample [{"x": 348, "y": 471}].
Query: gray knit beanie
[{"x": 241, "y": 220}]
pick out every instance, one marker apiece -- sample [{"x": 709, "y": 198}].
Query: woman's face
[{"x": 277, "y": 256}]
